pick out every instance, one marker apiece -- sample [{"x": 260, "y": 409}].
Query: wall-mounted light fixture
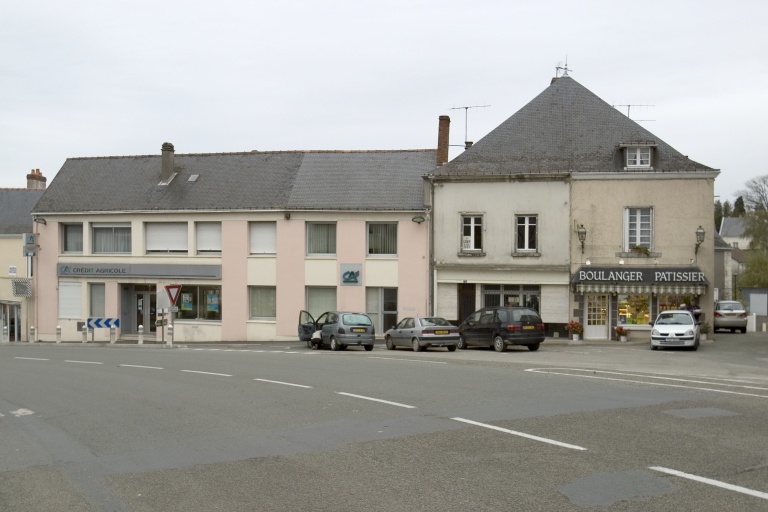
[
  {"x": 418, "y": 219},
  {"x": 40, "y": 220},
  {"x": 582, "y": 232},
  {"x": 699, "y": 238},
  {"x": 287, "y": 215}
]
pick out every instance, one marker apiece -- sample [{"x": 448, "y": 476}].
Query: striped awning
[{"x": 656, "y": 288}]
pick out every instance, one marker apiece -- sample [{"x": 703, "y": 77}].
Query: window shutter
[
  {"x": 70, "y": 300},
  {"x": 263, "y": 237},
  {"x": 166, "y": 237},
  {"x": 208, "y": 236}
]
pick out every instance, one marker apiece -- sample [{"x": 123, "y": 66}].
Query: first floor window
[
  {"x": 208, "y": 235},
  {"x": 72, "y": 238},
  {"x": 638, "y": 227},
  {"x": 111, "y": 238},
  {"x": 166, "y": 237},
  {"x": 70, "y": 300},
  {"x": 263, "y": 302},
  {"x": 321, "y": 238},
  {"x": 526, "y": 233},
  {"x": 263, "y": 237},
  {"x": 320, "y": 299},
  {"x": 97, "y": 293},
  {"x": 382, "y": 238},
  {"x": 471, "y": 233},
  {"x": 199, "y": 302},
  {"x": 634, "y": 308}
]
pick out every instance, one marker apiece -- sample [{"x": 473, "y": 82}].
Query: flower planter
[
  {"x": 576, "y": 337},
  {"x": 623, "y": 339},
  {"x": 703, "y": 337}
]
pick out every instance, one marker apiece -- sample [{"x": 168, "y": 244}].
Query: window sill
[
  {"x": 531, "y": 254},
  {"x": 634, "y": 254},
  {"x": 467, "y": 254},
  {"x": 638, "y": 168}
]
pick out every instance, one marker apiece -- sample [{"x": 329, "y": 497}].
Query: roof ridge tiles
[{"x": 258, "y": 152}]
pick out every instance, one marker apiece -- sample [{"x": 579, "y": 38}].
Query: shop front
[{"x": 607, "y": 297}]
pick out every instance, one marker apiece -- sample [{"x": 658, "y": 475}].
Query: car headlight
[
  {"x": 689, "y": 332},
  {"x": 655, "y": 332}
]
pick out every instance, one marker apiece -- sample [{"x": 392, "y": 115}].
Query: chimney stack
[
  {"x": 36, "y": 180},
  {"x": 166, "y": 172},
  {"x": 443, "y": 132}
]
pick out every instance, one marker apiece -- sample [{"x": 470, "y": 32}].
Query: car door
[
  {"x": 486, "y": 327},
  {"x": 326, "y": 324},
  {"x": 470, "y": 328},
  {"x": 306, "y": 326},
  {"x": 397, "y": 333}
]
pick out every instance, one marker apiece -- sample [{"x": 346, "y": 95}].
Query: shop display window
[
  {"x": 199, "y": 303},
  {"x": 634, "y": 308}
]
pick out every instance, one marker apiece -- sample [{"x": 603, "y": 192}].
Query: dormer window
[{"x": 638, "y": 155}]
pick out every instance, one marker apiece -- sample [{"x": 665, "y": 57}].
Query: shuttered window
[
  {"x": 263, "y": 237},
  {"x": 208, "y": 235},
  {"x": 166, "y": 237}
]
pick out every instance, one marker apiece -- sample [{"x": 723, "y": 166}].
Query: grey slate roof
[
  {"x": 732, "y": 227},
  {"x": 15, "y": 210},
  {"x": 566, "y": 128},
  {"x": 339, "y": 180}
]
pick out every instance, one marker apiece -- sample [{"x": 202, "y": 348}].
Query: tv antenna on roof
[
  {"x": 565, "y": 69},
  {"x": 629, "y": 107},
  {"x": 467, "y": 144}
]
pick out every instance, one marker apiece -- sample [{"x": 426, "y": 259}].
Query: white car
[{"x": 675, "y": 328}]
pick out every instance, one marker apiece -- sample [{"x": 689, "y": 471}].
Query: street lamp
[
  {"x": 582, "y": 232},
  {"x": 699, "y": 238}
]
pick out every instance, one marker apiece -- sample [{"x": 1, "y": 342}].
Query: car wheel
[
  {"x": 390, "y": 345},
  {"x": 415, "y": 345},
  {"x": 534, "y": 347},
  {"x": 654, "y": 347},
  {"x": 743, "y": 330},
  {"x": 462, "y": 344},
  {"x": 368, "y": 348},
  {"x": 335, "y": 344},
  {"x": 733, "y": 330},
  {"x": 451, "y": 348},
  {"x": 498, "y": 344}
]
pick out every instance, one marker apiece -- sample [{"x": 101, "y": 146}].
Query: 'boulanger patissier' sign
[{"x": 639, "y": 275}]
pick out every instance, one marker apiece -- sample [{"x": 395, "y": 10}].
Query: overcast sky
[{"x": 103, "y": 78}]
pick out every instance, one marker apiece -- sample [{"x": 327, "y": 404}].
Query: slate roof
[
  {"x": 732, "y": 227},
  {"x": 338, "y": 180},
  {"x": 566, "y": 128},
  {"x": 15, "y": 210}
]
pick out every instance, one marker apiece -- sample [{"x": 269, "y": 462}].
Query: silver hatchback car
[
  {"x": 338, "y": 329},
  {"x": 730, "y": 314}
]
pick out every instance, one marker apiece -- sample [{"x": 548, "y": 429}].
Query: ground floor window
[
  {"x": 667, "y": 302},
  {"x": 320, "y": 299},
  {"x": 199, "y": 302},
  {"x": 97, "y": 300},
  {"x": 511, "y": 295},
  {"x": 263, "y": 302},
  {"x": 381, "y": 306},
  {"x": 634, "y": 308}
]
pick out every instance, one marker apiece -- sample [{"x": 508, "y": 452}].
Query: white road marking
[
  {"x": 377, "y": 400},
  {"x": 709, "y": 481},
  {"x": 284, "y": 383},
  {"x": 139, "y": 366},
  {"x": 646, "y": 382},
  {"x": 521, "y": 434},
  {"x": 32, "y": 358},
  {"x": 22, "y": 412},
  {"x": 81, "y": 362},
  {"x": 207, "y": 373},
  {"x": 407, "y": 360}
]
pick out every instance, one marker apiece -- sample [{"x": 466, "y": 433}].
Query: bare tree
[{"x": 755, "y": 194}]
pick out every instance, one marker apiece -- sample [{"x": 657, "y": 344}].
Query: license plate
[
  {"x": 528, "y": 327},
  {"x": 441, "y": 332},
  {"x": 673, "y": 339},
  {"x": 358, "y": 329}
]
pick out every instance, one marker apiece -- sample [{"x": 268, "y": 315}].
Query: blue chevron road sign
[{"x": 102, "y": 322}]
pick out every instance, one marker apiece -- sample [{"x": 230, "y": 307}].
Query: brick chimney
[
  {"x": 166, "y": 171},
  {"x": 443, "y": 131},
  {"x": 36, "y": 180}
]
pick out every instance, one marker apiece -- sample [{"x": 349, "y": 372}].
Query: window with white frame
[
  {"x": 97, "y": 307},
  {"x": 70, "y": 300},
  {"x": 638, "y": 228},
  {"x": 471, "y": 233},
  {"x": 320, "y": 299},
  {"x": 526, "y": 233},
  {"x": 166, "y": 237},
  {"x": 72, "y": 238},
  {"x": 262, "y": 302},
  {"x": 208, "y": 236},
  {"x": 639, "y": 156},
  {"x": 111, "y": 238},
  {"x": 321, "y": 238},
  {"x": 382, "y": 238},
  {"x": 263, "y": 237}
]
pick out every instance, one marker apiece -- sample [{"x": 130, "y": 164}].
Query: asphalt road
[{"x": 279, "y": 427}]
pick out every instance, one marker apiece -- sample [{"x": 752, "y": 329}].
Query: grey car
[
  {"x": 337, "y": 329},
  {"x": 730, "y": 314},
  {"x": 422, "y": 332}
]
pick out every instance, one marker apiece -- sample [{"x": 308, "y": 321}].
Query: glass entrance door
[
  {"x": 145, "y": 303},
  {"x": 596, "y": 326}
]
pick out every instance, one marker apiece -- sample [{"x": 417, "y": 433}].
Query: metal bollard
[
  {"x": 4, "y": 339},
  {"x": 31, "y": 333},
  {"x": 112, "y": 335},
  {"x": 141, "y": 335},
  {"x": 85, "y": 334},
  {"x": 170, "y": 335},
  {"x": 58, "y": 334}
]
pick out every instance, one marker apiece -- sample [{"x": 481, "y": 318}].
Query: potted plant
[
  {"x": 703, "y": 331},
  {"x": 622, "y": 333},
  {"x": 575, "y": 329}
]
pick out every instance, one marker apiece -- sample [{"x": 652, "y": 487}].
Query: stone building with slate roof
[
  {"x": 251, "y": 238},
  {"x": 16, "y": 285},
  {"x": 573, "y": 209}
]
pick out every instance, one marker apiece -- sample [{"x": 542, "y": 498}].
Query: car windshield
[
  {"x": 674, "y": 319},
  {"x": 432, "y": 321},
  {"x": 355, "y": 319},
  {"x": 729, "y": 306}
]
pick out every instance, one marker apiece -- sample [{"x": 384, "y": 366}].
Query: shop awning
[{"x": 625, "y": 279}]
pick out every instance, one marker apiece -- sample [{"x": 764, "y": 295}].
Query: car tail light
[
  {"x": 342, "y": 331},
  {"x": 540, "y": 327},
  {"x": 744, "y": 314},
  {"x": 514, "y": 327},
  {"x": 717, "y": 313}
]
